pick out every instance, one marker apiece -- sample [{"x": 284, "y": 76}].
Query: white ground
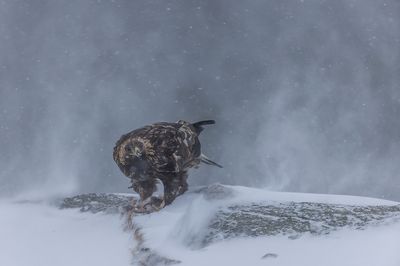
[
  {"x": 41, "y": 235},
  {"x": 171, "y": 230}
]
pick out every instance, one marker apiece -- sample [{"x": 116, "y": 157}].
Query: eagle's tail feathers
[
  {"x": 199, "y": 125},
  {"x": 206, "y": 160}
]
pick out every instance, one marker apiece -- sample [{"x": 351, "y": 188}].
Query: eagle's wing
[{"x": 172, "y": 147}]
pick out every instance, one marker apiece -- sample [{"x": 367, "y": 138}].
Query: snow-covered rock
[
  {"x": 98, "y": 202},
  {"x": 227, "y": 225},
  {"x": 294, "y": 219}
]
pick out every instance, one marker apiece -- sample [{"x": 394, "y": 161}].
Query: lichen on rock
[{"x": 293, "y": 219}]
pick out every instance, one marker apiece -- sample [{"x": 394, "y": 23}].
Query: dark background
[{"x": 306, "y": 94}]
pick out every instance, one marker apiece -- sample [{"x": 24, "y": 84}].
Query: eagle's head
[
  {"x": 135, "y": 159},
  {"x": 139, "y": 169}
]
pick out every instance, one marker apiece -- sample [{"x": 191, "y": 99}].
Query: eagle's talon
[
  {"x": 158, "y": 203},
  {"x": 149, "y": 205},
  {"x": 155, "y": 203}
]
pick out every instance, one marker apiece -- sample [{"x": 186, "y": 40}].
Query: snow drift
[{"x": 226, "y": 225}]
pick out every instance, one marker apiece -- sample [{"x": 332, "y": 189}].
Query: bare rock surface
[
  {"x": 98, "y": 202},
  {"x": 294, "y": 219}
]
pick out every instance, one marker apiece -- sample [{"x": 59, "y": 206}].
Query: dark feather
[
  {"x": 198, "y": 126},
  {"x": 164, "y": 151}
]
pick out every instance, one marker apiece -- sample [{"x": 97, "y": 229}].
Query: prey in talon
[{"x": 156, "y": 158}]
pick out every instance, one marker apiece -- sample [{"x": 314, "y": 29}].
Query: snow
[
  {"x": 375, "y": 247},
  {"x": 39, "y": 234},
  {"x": 42, "y": 235},
  {"x": 172, "y": 232},
  {"x": 247, "y": 194}
]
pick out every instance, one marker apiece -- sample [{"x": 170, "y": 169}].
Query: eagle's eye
[
  {"x": 182, "y": 122},
  {"x": 137, "y": 152}
]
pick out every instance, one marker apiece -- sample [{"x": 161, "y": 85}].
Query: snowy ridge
[
  {"x": 223, "y": 225},
  {"x": 228, "y": 225}
]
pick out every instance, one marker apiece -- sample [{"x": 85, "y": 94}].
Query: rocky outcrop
[
  {"x": 98, "y": 202},
  {"x": 294, "y": 219},
  {"x": 224, "y": 215},
  {"x": 257, "y": 219}
]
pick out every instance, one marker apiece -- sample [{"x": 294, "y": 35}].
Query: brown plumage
[{"x": 161, "y": 151}]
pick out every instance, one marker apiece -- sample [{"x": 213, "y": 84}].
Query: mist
[{"x": 306, "y": 94}]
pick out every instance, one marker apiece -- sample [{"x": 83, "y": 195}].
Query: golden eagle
[{"x": 160, "y": 152}]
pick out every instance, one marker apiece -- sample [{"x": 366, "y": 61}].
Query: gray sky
[{"x": 306, "y": 94}]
